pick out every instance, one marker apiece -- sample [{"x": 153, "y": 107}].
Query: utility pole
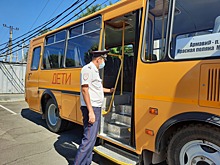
[
  {"x": 23, "y": 45},
  {"x": 22, "y": 51},
  {"x": 10, "y": 40}
]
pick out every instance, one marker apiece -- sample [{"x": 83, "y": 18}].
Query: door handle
[{"x": 29, "y": 76}]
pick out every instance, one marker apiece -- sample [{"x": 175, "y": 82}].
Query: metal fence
[{"x": 12, "y": 77}]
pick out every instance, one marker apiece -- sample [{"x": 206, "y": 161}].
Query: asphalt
[{"x": 11, "y": 97}]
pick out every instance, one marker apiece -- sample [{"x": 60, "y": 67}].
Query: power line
[
  {"x": 44, "y": 24},
  {"x": 62, "y": 19},
  {"x": 77, "y": 13},
  {"x": 39, "y": 14},
  {"x": 104, "y": 2},
  {"x": 10, "y": 40},
  {"x": 71, "y": 13},
  {"x": 56, "y": 8},
  {"x": 52, "y": 20},
  {"x": 35, "y": 33}
]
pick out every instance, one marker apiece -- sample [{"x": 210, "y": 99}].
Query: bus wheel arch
[
  {"x": 44, "y": 99},
  {"x": 167, "y": 130},
  {"x": 51, "y": 112}
]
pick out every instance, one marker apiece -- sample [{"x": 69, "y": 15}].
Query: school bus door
[{"x": 32, "y": 74}]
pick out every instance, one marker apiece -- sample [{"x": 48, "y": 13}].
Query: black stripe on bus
[{"x": 63, "y": 91}]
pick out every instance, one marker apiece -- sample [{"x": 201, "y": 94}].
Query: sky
[{"x": 29, "y": 14}]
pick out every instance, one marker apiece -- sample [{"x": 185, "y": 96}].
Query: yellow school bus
[{"x": 164, "y": 63}]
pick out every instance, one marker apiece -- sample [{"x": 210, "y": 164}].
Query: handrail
[
  {"x": 121, "y": 57},
  {"x": 113, "y": 94}
]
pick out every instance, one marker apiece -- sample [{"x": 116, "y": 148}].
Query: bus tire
[
  {"x": 194, "y": 144},
  {"x": 54, "y": 122}
]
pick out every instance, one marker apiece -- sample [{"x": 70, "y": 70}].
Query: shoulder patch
[{"x": 85, "y": 76}]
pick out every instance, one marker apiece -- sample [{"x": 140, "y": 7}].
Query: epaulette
[{"x": 89, "y": 66}]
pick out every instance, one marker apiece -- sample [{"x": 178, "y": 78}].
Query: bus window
[
  {"x": 50, "y": 40},
  {"x": 75, "y": 31},
  {"x": 54, "y": 51},
  {"x": 35, "y": 58},
  {"x": 82, "y": 40},
  {"x": 92, "y": 25},
  {"x": 156, "y": 31},
  {"x": 196, "y": 37},
  {"x": 60, "y": 36}
]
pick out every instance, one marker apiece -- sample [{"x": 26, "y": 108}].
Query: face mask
[{"x": 102, "y": 65}]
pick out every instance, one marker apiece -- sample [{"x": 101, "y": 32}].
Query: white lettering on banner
[{"x": 198, "y": 46}]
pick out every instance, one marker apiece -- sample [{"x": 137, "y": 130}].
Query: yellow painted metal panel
[
  {"x": 122, "y": 8},
  {"x": 78, "y": 112},
  {"x": 210, "y": 85},
  {"x": 60, "y": 79},
  {"x": 69, "y": 106},
  {"x": 173, "y": 88}
]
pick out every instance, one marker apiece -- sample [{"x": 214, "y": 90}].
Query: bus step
[
  {"x": 118, "y": 100},
  {"x": 124, "y": 109},
  {"x": 117, "y": 129},
  {"x": 124, "y": 140},
  {"x": 120, "y": 118},
  {"x": 117, "y": 155}
]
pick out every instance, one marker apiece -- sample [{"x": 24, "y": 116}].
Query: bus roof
[{"x": 108, "y": 12}]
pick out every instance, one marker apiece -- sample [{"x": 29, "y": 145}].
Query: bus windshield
[{"x": 195, "y": 29}]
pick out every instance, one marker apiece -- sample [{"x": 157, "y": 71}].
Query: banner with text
[{"x": 198, "y": 46}]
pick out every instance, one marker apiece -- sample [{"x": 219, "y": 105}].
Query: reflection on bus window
[
  {"x": 60, "y": 36},
  {"x": 35, "y": 58},
  {"x": 81, "y": 41},
  {"x": 76, "y": 31},
  {"x": 50, "y": 40},
  {"x": 78, "y": 48},
  {"x": 156, "y": 31},
  {"x": 92, "y": 25},
  {"x": 197, "y": 37},
  {"x": 53, "y": 55}
]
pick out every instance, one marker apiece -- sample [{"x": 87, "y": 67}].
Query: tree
[
  {"x": 92, "y": 9},
  {"x": 43, "y": 31}
]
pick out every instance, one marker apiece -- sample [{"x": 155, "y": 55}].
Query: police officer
[{"x": 91, "y": 98}]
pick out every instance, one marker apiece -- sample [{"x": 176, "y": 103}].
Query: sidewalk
[{"x": 11, "y": 97}]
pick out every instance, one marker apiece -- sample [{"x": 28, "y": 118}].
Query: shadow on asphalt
[
  {"x": 33, "y": 117},
  {"x": 65, "y": 144}
]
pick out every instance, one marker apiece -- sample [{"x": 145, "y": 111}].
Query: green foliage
[
  {"x": 88, "y": 56},
  {"x": 128, "y": 49},
  {"x": 44, "y": 31},
  {"x": 92, "y": 9}
]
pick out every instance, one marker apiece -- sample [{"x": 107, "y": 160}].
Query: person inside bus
[{"x": 91, "y": 98}]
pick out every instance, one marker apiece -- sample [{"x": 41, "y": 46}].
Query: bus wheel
[
  {"x": 195, "y": 145},
  {"x": 53, "y": 120}
]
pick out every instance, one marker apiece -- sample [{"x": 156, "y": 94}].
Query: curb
[{"x": 11, "y": 98}]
